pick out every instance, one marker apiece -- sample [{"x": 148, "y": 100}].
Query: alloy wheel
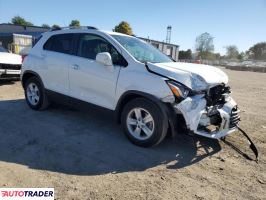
[
  {"x": 33, "y": 94},
  {"x": 140, "y": 123}
]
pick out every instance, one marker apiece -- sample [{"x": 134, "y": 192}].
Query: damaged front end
[{"x": 212, "y": 114}]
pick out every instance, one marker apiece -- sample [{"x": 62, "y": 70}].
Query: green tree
[
  {"x": 124, "y": 27},
  {"x": 45, "y": 26},
  {"x": 258, "y": 51},
  {"x": 232, "y": 52},
  {"x": 55, "y": 26},
  {"x": 241, "y": 56},
  {"x": 204, "y": 45},
  {"x": 74, "y": 22},
  {"x": 185, "y": 55},
  {"x": 17, "y": 20}
]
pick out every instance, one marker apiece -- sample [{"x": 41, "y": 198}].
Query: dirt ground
[{"x": 85, "y": 155}]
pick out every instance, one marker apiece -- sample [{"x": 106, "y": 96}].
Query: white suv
[{"x": 151, "y": 94}]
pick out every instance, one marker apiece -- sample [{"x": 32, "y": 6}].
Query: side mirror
[{"x": 104, "y": 58}]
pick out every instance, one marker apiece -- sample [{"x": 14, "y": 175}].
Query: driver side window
[{"x": 90, "y": 45}]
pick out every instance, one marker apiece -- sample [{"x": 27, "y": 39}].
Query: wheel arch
[
  {"x": 166, "y": 109},
  {"x": 27, "y": 75}
]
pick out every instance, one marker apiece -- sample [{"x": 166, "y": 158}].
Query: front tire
[
  {"x": 35, "y": 94},
  {"x": 144, "y": 122}
]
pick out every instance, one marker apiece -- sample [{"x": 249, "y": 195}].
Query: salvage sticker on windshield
[{"x": 27, "y": 193}]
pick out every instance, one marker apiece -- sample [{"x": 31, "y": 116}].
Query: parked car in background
[
  {"x": 10, "y": 64},
  {"x": 151, "y": 94}
]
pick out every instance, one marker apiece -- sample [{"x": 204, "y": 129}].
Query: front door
[{"x": 89, "y": 80}]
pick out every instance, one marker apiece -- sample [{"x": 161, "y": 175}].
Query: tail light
[{"x": 23, "y": 58}]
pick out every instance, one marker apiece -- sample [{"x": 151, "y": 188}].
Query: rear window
[{"x": 59, "y": 43}]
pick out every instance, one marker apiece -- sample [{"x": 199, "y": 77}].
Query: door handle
[{"x": 75, "y": 67}]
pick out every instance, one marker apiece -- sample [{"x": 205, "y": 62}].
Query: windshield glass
[
  {"x": 141, "y": 50},
  {"x": 2, "y": 49}
]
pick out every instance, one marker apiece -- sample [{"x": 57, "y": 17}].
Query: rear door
[
  {"x": 89, "y": 80},
  {"x": 57, "y": 53}
]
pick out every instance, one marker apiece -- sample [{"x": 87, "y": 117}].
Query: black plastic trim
[
  {"x": 33, "y": 73},
  {"x": 72, "y": 102}
]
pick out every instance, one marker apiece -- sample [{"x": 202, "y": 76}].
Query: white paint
[
  {"x": 10, "y": 58},
  {"x": 191, "y": 74}
]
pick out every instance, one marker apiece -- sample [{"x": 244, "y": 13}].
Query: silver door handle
[{"x": 75, "y": 67}]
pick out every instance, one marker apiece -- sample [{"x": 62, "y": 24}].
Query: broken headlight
[{"x": 180, "y": 91}]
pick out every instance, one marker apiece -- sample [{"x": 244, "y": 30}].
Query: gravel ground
[{"x": 85, "y": 155}]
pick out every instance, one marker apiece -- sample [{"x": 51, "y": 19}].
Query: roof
[{"x": 86, "y": 28}]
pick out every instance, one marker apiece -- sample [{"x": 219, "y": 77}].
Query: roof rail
[{"x": 73, "y": 27}]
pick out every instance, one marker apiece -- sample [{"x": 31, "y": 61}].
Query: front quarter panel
[{"x": 136, "y": 77}]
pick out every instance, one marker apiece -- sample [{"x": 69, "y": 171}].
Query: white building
[{"x": 171, "y": 50}]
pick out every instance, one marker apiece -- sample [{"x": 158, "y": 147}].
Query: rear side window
[{"x": 61, "y": 43}]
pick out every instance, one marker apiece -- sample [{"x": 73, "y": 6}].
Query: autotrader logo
[{"x": 27, "y": 193}]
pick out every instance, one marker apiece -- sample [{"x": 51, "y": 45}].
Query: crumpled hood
[
  {"x": 191, "y": 75},
  {"x": 10, "y": 58}
]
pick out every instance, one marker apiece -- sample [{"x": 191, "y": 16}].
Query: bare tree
[
  {"x": 232, "y": 52},
  {"x": 204, "y": 45},
  {"x": 258, "y": 51}
]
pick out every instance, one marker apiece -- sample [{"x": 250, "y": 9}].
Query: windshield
[
  {"x": 2, "y": 49},
  {"x": 141, "y": 50}
]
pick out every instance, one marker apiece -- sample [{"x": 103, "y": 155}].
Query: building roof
[
  {"x": 9, "y": 29},
  {"x": 15, "y": 25}
]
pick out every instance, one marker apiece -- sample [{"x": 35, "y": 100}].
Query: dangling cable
[{"x": 252, "y": 146}]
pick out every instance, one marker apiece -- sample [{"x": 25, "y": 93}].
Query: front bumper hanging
[{"x": 212, "y": 122}]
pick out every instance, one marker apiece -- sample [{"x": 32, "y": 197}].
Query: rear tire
[
  {"x": 144, "y": 123},
  {"x": 35, "y": 94}
]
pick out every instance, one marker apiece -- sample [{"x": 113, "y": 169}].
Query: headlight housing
[{"x": 180, "y": 91}]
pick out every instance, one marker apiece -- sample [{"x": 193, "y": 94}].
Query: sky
[{"x": 230, "y": 22}]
